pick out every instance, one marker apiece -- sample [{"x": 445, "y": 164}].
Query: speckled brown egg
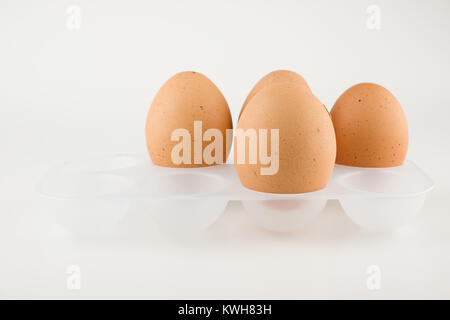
[
  {"x": 307, "y": 145},
  {"x": 274, "y": 77},
  {"x": 371, "y": 128},
  {"x": 183, "y": 99}
]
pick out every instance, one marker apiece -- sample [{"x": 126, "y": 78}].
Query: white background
[{"x": 70, "y": 94}]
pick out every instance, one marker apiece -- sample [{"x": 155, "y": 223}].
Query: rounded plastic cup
[
  {"x": 90, "y": 196},
  {"x": 283, "y": 215}
]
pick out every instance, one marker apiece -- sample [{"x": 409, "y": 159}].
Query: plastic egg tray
[{"x": 88, "y": 196}]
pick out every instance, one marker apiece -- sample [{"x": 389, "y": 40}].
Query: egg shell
[
  {"x": 307, "y": 144},
  {"x": 183, "y": 99},
  {"x": 274, "y": 77},
  {"x": 371, "y": 127}
]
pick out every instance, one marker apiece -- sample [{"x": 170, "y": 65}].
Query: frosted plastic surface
[{"x": 89, "y": 196}]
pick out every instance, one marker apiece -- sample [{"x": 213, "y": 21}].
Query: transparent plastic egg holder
[{"x": 89, "y": 196}]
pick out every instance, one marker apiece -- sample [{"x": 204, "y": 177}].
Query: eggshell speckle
[
  {"x": 307, "y": 145},
  {"x": 371, "y": 128},
  {"x": 183, "y": 99}
]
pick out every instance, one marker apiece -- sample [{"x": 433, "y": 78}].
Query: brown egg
[
  {"x": 183, "y": 99},
  {"x": 371, "y": 128},
  {"x": 306, "y": 145},
  {"x": 278, "y": 76}
]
